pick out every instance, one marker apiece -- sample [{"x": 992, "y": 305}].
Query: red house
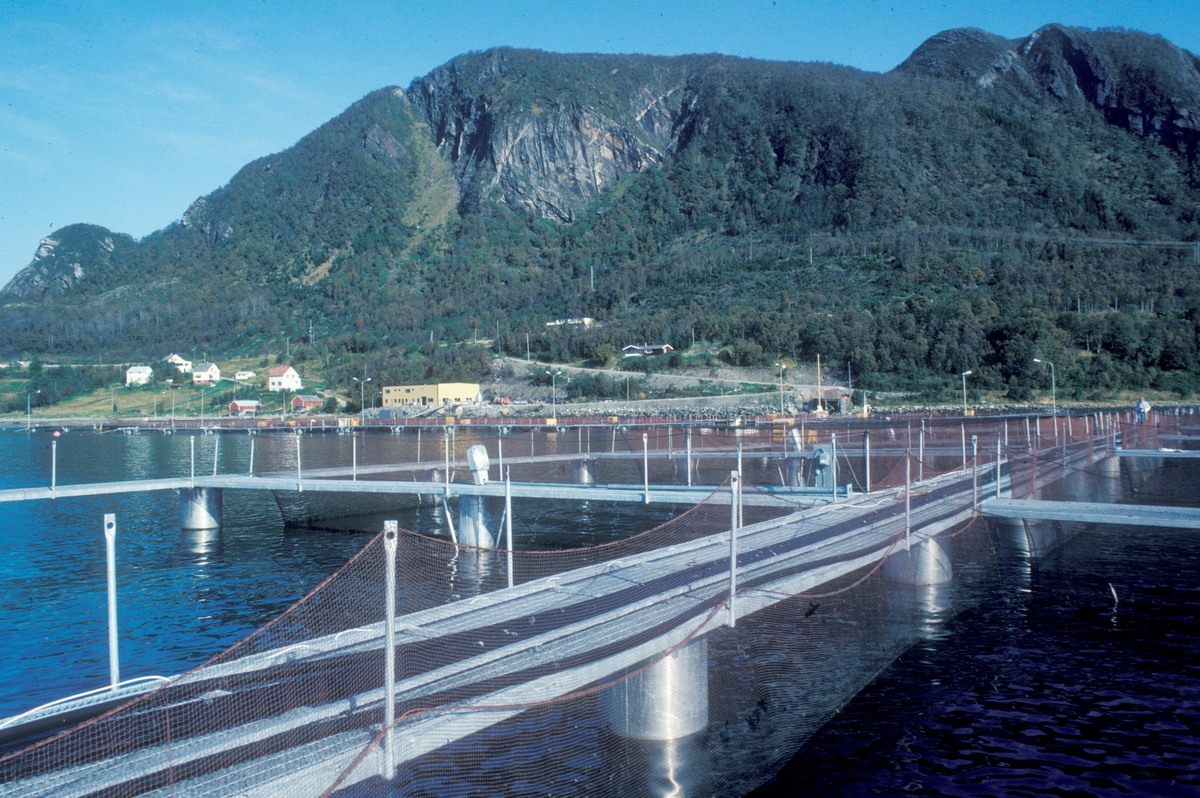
[
  {"x": 306, "y": 403},
  {"x": 247, "y": 408}
]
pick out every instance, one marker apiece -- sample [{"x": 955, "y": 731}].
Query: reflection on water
[{"x": 1047, "y": 685}]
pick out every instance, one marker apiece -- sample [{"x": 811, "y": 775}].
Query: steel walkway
[
  {"x": 597, "y": 621},
  {"x": 1092, "y": 513}
]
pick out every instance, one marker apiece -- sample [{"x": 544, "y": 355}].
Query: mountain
[{"x": 952, "y": 214}]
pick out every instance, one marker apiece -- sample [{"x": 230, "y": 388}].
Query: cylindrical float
[
  {"x": 200, "y": 508},
  {"x": 666, "y": 701}
]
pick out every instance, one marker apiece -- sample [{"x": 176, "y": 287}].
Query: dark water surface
[
  {"x": 1045, "y": 688},
  {"x": 1038, "y": 687},
  {"x": 184, "y": 597}
]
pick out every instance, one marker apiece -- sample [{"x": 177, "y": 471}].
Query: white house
[
  {"x": 636, "y": 350},
  {"x": 283, "y": 378},
  {"x": 583, "y": 321},
  {"x": 183, "y": 366},
  {"x": 206, "y": 374},
  {"x": 138, "y": 375},
  {"x": 244, "y": 375}
]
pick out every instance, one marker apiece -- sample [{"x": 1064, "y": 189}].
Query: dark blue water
[
  {"x": 1041, "y": 688},
  {"x": 184, "y": 597},
  {"x": 1045, "y": 688}
]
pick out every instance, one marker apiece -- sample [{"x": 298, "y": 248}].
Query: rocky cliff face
[
  {"x": 1140, "y": 83},
  {"x": 64, "y": 259},
  {"x": 548, "y": 152}
]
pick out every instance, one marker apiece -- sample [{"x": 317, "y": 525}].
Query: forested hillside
[{"x": 960, "y": 212}]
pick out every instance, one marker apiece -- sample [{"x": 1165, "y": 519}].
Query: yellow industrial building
[{"x": 443, "y": 393}]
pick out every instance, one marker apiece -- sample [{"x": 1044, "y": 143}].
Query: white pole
[
  {"x": 110, "y": 550},
  {"x": 53, "y": 466},
  {"x": 192, "y": 440},
  {"x": 353, "y": 458},
  {"x": 645, "y": 468},
  {"x": 446, "y": 450},
  {"x": 975, "y": 470},
  {"x": 450, "y": 522},
  {"x": 390, "y": 530},
  {"x": 299, "y": 478},
  {"x": 689, "y": 456},
  {"x": 216, "y": 451},
  {"x": 500, "y": 453},
  {"x": 833, "y": 458},
  {"x": 251, "y": 472},
  {"x": 735, "y": 489},
  {"x": 907, "y": 497},
  {"x": 921, "y": 454},
  {"x": 739, "y": 462},
  {"x": 508, "y": 523},
  {"x": 963, "y": 430},
  {"x": 997, "y": 466},
  {"x": 867, "y": 458}
]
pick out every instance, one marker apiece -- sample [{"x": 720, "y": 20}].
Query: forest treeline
[{"x": 905, "y": 227}]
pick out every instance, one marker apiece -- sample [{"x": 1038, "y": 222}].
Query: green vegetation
[{"x": 906, "y": 226}]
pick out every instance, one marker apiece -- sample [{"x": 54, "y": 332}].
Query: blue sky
[{"x": 121, "y": 113}]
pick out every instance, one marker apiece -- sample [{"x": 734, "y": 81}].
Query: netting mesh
[{"x": 606, "y": 670}]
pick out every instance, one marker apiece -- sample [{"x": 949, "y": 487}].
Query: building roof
[
  {"x": 205, "y": 367},
  {"x": 307, "y": 397},
  {"x": 246, "y": 403},
  {"x": 279, "y": 371}
]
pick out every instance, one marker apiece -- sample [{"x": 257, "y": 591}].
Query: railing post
[
  {"x": 390, "y": 530},
  {"x": 446, "y": 449},
  {"x": 110, "y": 551},
  {"x": 975, "y": 470},
  {"x": 689, "y": 456},
  {"x": 833, "y": 461},
  {"x": 735, "y": 500},
  {"x": 645, "y": 469},
  {"x": 963, "y": 430},
  {"x": 867, "y": 459},
  {"x": 907, "y": 496},
  {"x": 251, "y": 471},
  {"x": 921, "y": 454},
  {"x": 508, "y": 522},
  {"x": 53, "y": 467},
  {"x": 216, "y": 451},
  {"x": 739, "y": 459},
  {"x": 353, "y": 458},
  {"x": 192, "y": 440},
  {"x": 299, "y": 473},
  {"x": 998, "y": 466}
]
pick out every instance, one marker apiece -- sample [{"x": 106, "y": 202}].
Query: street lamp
[
  {"x": 965, "y": 374},
  {"x": 1053, "y": 389},
  {"x": 781, "y": 368},
  {"x": 553, "y": 390},
  {"x": 362, "y": 392},
  {"x": 29, "y": 410}
]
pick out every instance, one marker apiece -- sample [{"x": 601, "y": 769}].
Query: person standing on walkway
[{"x": 1143, "y": 407}]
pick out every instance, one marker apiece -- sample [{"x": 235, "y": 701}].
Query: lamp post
[
  {"x": 553, "y": 389},
  {"x": 1053, "y": 389},
  {"x": 29, "y": 410},
  {"x": 362, "y": 392},
  {"x": 965, "y": 374},
  {"x": 781, "y": 368}
]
